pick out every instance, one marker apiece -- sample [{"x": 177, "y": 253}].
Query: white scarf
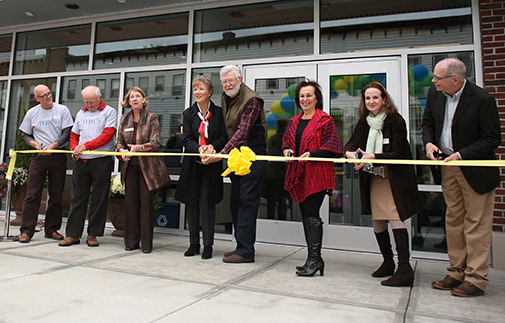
[{"x": 375, "y": 137}]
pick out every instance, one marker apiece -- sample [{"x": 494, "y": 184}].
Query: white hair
[
  {"x": 98, "y": 93},
  {"x": 228, "y": 68},
  {"x": 454, "y": 67}
]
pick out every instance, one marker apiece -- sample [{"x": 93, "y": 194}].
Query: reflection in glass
[
  {"x": 52, "y": 50},
  {"x": 366, "y": 25},
  {"x": 168, "y": 107},
  {"x": 3, "y": 104},
  {"x": 5, "y": 54},
  {"x": 428, "y": 226},
  {"x": 280, "y": 28},
  {"x": 279, "y": 107},
  {"x": 420, "y": 76},
  {"x": 345, "y": 203},
  {"x": 21, "y": 100},
  {"x": 156, "y": 40}
]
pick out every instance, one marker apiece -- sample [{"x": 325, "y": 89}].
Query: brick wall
[{"x": 492, "y": 14}]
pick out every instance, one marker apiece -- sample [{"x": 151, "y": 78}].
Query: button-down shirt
[{"x": 450, "y": 108}]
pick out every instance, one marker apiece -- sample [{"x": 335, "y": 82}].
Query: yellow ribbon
[{"x": 240, "y": 161}]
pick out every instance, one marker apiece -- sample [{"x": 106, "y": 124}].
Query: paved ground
[{"x": 42, "y": 282}]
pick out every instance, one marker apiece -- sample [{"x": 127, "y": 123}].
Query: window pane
[
  {"x": 142, "y": 42},
  {"x": 168, "y": 107},
  {"x": 365, "y": 24},
  {"x": 21, "y": 100},
  {"x": 5, "y": 54},
  {"x": 52, "y": 50},
  {"x": 420, "y": 75},
  {"x": 281, "y": 28}
]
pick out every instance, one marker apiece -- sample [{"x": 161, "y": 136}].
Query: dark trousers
[
  {"x": 53, "y": 166},
  {"x": 310, "y": 207},
  {"x": 244, "y": 204},
  {"x": 206, "y": 210},
  {"x": 90, "y": 176},
  {"x": 139, "y": 221}
]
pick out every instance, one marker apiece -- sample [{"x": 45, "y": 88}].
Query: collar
[
  {"x": 456, "y": 95},
  {"x": 101, "y": 107}
]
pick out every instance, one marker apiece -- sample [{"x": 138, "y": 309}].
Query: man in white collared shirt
[{"x": 461, "y": 122}]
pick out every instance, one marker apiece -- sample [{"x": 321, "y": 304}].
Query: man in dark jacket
[
  {"x": 461, "y": 122},
  {"x": 246, "y": 126}
]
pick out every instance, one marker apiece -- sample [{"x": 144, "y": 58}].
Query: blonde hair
[{"x": 126, "y": 100}]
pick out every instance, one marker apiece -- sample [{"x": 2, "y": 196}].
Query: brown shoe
[
  {"x": 24, "y": 238},
  {"x": 55, "y": 235},
  {"x": 229, "y": 253},
  {"x": 237, "y": 259},
  {"x": 92, "y": 242},
  {"x": 68, "y": 241},
  {"x": 467, "y": 289},
  {"x": 447, "y": 283}
]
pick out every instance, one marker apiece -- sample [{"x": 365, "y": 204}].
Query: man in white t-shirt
[
  {"x": 94, "y": 129},
  {"x": 45, "y": 126}
]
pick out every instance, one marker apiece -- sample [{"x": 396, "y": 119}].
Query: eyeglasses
[
  {"x": 438, "y": 78},
  {"x": 231, "y": 81},
  {"x": 44, "y": 95}
]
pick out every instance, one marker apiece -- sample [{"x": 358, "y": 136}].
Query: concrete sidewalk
[{"x": 42, "y": 282}]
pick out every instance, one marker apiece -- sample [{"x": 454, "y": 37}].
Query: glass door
[
  {"x": 279, "y": 220},
  {"x": 342, "y": 81}
]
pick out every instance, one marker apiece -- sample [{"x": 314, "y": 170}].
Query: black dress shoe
[
  {"x": 467, "y": 289},
  {"x": 207, "y": 252},
  {"x": 447, "y": 283},
  {"x": 146, "y": 250},
  {"x": 130, "y": 249},
  {"x": 193, "y": 249}
]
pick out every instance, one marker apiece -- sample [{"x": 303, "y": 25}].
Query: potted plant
[{"x": 116, "y": 208}]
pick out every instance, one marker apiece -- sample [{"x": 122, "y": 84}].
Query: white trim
[{"x": 477, "y": 37}]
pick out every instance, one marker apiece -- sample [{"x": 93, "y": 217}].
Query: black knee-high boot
[
  {"x": 388, "y": 265},
  {"x": 315, "y": 262},
  {"x": 404, "y": 275},
  {"x": 305, "y": 231}
]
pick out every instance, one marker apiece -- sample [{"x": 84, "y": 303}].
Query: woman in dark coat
[
  {"x": 200, "y": 186},
  {"x": 139, "y": 131},
  {"x": 388, "y": 192}
]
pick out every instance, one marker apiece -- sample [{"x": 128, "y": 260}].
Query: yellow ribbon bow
[{"x": 240, "y": 161}]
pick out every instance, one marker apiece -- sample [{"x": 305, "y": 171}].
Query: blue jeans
[{"x": 244, "y": 204}]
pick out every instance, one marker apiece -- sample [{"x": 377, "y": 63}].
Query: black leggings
[{"x": 311, "y": 205}]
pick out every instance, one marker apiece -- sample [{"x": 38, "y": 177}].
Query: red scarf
[{"x": 203, "y": 130}]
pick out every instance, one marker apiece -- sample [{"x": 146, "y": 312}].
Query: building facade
[{"x": 342, "y": 44}]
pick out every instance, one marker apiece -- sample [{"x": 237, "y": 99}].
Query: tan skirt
[{"x": 383, "y": 203}]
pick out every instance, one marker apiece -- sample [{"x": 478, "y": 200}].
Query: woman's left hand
[
  {"x": 364, "y": 155},
  {"x": 305, "y": 155},
  {"x": 135, "y": 148}
]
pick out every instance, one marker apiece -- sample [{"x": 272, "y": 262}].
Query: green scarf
[{"x": 375, "y": 138}]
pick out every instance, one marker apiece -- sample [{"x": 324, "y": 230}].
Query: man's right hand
[{"x": 432, "y": 151}]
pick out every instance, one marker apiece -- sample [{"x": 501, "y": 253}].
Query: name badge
[
  {"x": 385, "y": 141},
  {"x": 128, "y": 129}
]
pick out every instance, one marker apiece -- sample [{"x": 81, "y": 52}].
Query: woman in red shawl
[{"x": 312, "y": 133}]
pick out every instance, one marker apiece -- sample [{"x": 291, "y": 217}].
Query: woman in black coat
[
  {"x": 388, "y": 192},
  {"x": 200, "y": 186}
]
